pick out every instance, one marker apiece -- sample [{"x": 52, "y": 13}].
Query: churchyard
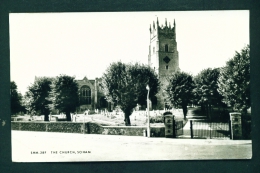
[
  {"x": 138, "y": 118},
  {"x": 105, "y": 118}
]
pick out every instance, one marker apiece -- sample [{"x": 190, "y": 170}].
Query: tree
[
  {"x": 179, "y": 90},
  {"x": 125, "y": 85},
  {"x": 234, "y": 81},
  {"x": 16, "y": 99},
  {"x": 37, "y": 97},
  {"x": 206, "y": 91},
  {"x": 65, "y": 95}
]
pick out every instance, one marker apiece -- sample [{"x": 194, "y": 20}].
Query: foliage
[
  {"x": 36, "y": 98},
  {"x": 206, "y": 92},
  {"x": 179, "y": 90},
  {"x": 64, "y": 95},
  {"x": 16, "y": 99},
  {"x": 157, "y": 119},
  {"x": 234, "y": 81},
  {"x": 125, "y": 85},
  {"x": 207, "y": 87},
  {"x": 91, "y": 112},
  {"x": 246, "y": 126}
]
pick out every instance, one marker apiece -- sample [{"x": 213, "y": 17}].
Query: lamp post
[{"x": 148, "y": 112}]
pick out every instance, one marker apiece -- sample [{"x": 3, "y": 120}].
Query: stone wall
[
  {"x": 132, "y": 131},
  {"x": 65, "y": 127},
  {"x": 90, "y": 128},
  {"x": 48, "y": 126}
]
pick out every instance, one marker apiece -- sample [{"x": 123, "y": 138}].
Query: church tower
[{"x": 163, "y": 55}]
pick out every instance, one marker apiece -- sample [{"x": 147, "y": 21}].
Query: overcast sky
[{"x": 84, "y": 44}]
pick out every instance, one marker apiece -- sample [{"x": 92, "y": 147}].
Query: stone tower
[{"x": 163, "y": 55}]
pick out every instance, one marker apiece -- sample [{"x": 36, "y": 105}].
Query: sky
[{"x": 84, "y": 44}]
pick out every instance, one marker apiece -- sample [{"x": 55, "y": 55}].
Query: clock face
[{"x": 166, "y": 59}]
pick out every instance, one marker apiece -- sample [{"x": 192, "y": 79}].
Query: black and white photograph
[{"x": 130, "y": 86}]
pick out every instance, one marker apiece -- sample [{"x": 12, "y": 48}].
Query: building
[
  {"x": 163, "y": 55},
  {"x": 91, "y": 96}
]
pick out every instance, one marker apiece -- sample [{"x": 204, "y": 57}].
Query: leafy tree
[
  {"x": 36, "y": 97},
  {"x": 179, "y": 90},
  {"x": 16, "y": 99},
  {"x": 125, "y": 85},
  {"x": 206, "y": 92},
  {"x": 64, "y": 95},
  {"x": 234, "y": 81}
]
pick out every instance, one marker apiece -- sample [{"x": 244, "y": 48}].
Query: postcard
[{"x": 130, "y": 86}]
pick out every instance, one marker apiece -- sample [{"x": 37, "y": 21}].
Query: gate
[
  {"x": 178, "y": 128},
  {"x": 200, "y": 129}
]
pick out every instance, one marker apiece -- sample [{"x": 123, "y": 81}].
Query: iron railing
[{"x": 200, "y": 129}]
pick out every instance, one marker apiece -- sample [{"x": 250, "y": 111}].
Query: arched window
[
  {"x": 166, "y": 48},
  {"x": 85, "y": 95}
]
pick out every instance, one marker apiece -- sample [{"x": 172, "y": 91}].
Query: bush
[
  {"x": 156, "y": 119},
  {"x": 21, "y": 119},
  {"x": 113, "y": 117},
  {"x": 62, "y": 119},
  {"x": 91, "y": 112},
  {"x": 246, "y": 126}
]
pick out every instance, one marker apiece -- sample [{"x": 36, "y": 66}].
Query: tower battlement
[{"x": 166, "y": 30}]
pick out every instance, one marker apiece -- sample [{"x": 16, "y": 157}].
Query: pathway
[{"x": 90, "y": 147}]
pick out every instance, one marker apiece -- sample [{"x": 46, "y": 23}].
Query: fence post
[
  {"x": 230, "y": 132},
  {"x": 182, "y": 127},
  {"x": 210, "y": 130},
  {"x": 191, "y": 130},
  {"x": 174, "y": 128}
]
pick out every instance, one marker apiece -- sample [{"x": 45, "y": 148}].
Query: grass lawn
[{"x": 138, "y": 118}]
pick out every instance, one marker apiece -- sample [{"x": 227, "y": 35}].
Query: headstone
[{"x": 73, "y": 117}]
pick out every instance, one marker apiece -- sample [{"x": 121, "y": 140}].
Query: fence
[
  {"x": 200, "y": 129},
  {"x": 178, "y": 128}
]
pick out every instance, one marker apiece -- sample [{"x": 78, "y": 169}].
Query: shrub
[
  {"x": 246, "y": 126},
  {"x": 156, "y": 119},
  {"x": 91, "y": 112},
  {"x": 113, "y": 117}
]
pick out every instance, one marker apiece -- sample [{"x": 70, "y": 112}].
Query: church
[
  {"x": 91, "y": 96},
  {"x": 163, "y": 57}
]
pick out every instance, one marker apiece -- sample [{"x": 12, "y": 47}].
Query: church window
[
  {"x": 153, "y": 49},
  {"x": 166, "y": 48},
  {"x": 85, "y": 95},
  {"x": 166, "y": 67}
]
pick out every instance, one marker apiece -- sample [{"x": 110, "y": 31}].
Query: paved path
[{"x": 42, "y": 146}]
